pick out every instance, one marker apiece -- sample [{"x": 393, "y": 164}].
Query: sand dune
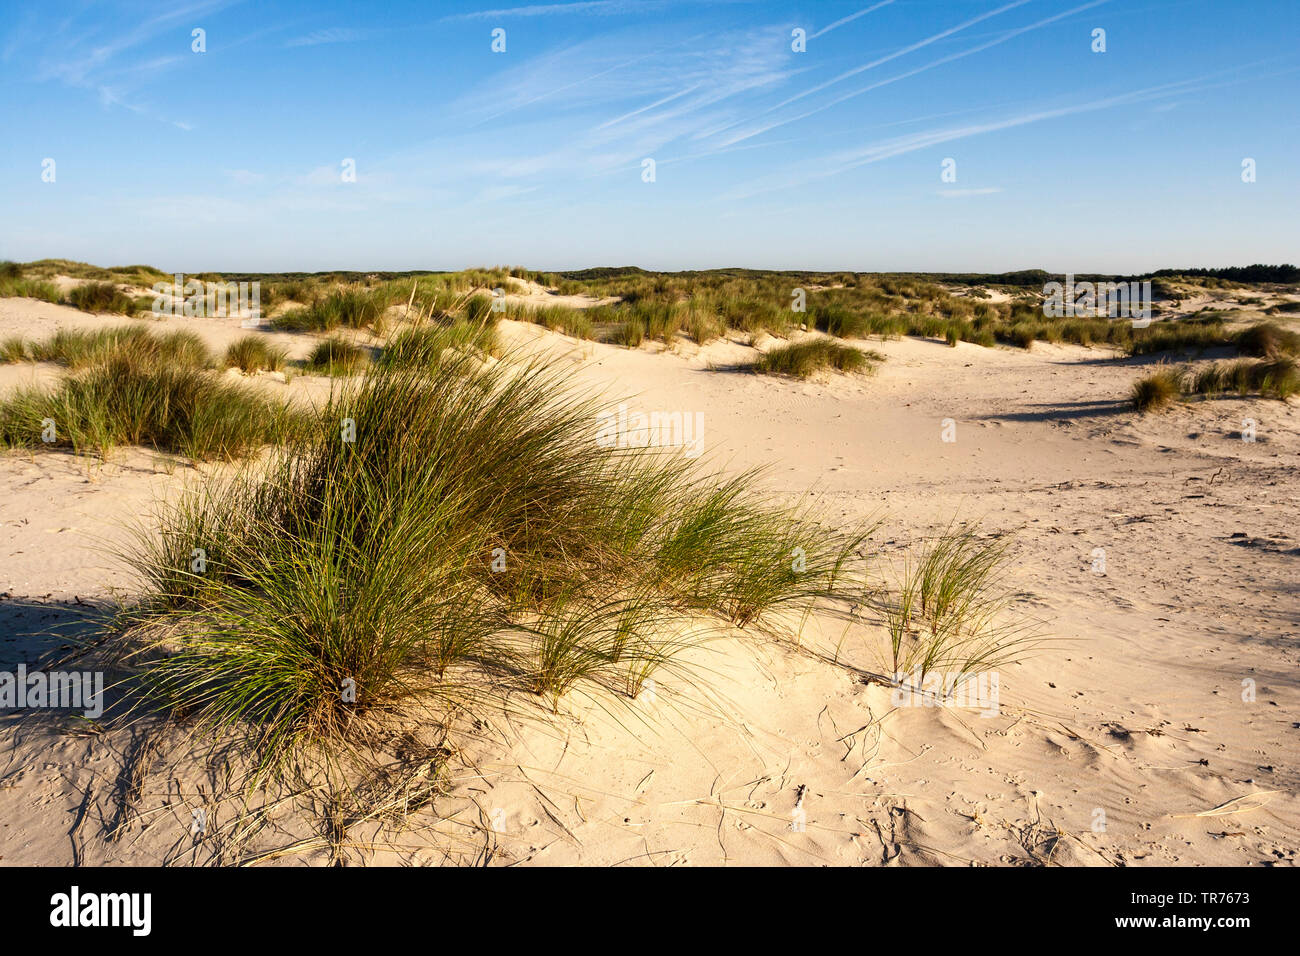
[{"x": 1110, "y": 746}]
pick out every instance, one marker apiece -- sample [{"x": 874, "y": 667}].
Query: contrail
[
  {"x": 566, "y": 86},
  {"x": 851, "y": 16},
  {"x": 907, "y": 144},
  {"x": 920, "y": 69},
  {"x": 666, "y": 99},
  {"x": 908, "y": 49}
]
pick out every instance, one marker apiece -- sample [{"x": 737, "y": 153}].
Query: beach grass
[
  {"x": 253, "y": 353},
  {"x": 13, "y": 283},
  {"x": 352, "y": 307},
  {"x": 425, "y": 345},
  {"x": 1268, "y": 340},
  {"x": 100, "y": 297},
  {"x": 79, "y": 348},
  {"x": 130, "y": 399},
  {"x": 468, "y": 533},
  {"x": 1157, "y": 390},
  {"x": 802, "y": 359},
  {"x": 1275, "y": 378},
  {"x": 951, "y": 612},
  {"x": 336, "y": 356}
]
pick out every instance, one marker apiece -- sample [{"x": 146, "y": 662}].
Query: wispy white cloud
[
  {"x": 88, "y": 61},
  {"x": 78, "y": 64},
  {"x": 903, "y": 52},
  {"x": 519, "y": 94},
  {"x": 816, "y": 169},
  {"x": 582, "y": 8},
  {"x": 675, "y": 92},
  {"x": 155, "y": 65},
  {"x": 974, "y": 191},
  {"x": 608, "y": 105},
  {"x": 602, "y": 7},
  {"x": 849, "y": 19},
  {"x": 657, "y": 103},
  {"x": 758, "y": 129},
  {"x": 330, "y": 35}
]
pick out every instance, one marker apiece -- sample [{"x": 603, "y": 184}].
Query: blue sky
[{"x": 831, "y": 158}]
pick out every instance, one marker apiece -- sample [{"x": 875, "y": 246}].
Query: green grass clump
[
  {"x": 425, "y": 345},
  {"x": 703, "y": 325},
  {"x": 1180, "y": 336},
  {"x": 476, "y": 309},
  {"x": 661, "y": 320},
  {"x": 14, "y": 285},
  {"x": 464, "y": 540},
  {"x": 630, "y": 333},
  {"x": 350, "y": 307},
  {"x": 336, "y": 356},
  {"x": 840, "y": 320},
  {"x": 950, "y": 613},
  {"x": 1268, "y": 340},
  {"x": 556, "y": 318},
  {"x": 101, "y": 297},
  {"x": 14, "y": 349},
  {"x": 1220, "y": 377},
  {"x": 1023, "y": 334},
  {"x": 801, "y": 359},
  {"x": 131, "y": 400},
  {"x": 887, "y": 326},
  {"x": 754, "y": 314},
  {"x": 580, "y": 326},
  {"x": 1157, "y": 390},
  {"x": 1271, "y": 378},
  {"x": 559, "y": 318},
  {"x": 253, "y": 353},
  {"x": 79, "y": 348},
  {"x": 631, "y": 323},
  {"x": 1278, "y": 378},
  {"x": 137, "y": 275},
  {"x": 295, "y": 290}
]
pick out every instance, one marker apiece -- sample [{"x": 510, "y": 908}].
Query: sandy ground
[{"x": 1111, "y": 746}]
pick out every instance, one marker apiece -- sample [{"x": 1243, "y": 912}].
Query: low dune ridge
[{"x": 1154, "y": 555}]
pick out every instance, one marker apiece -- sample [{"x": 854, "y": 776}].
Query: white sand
[{"x": 1136, "y": 714}]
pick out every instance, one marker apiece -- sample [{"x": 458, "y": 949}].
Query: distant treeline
[
  {"x": 1024, "y": 278},
  {"x": 1027, "y": 277},
  {"x": 335, "y": 275},
  {"x": 602, "y": 273},
  {"x": 1255, "y": 273}
]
